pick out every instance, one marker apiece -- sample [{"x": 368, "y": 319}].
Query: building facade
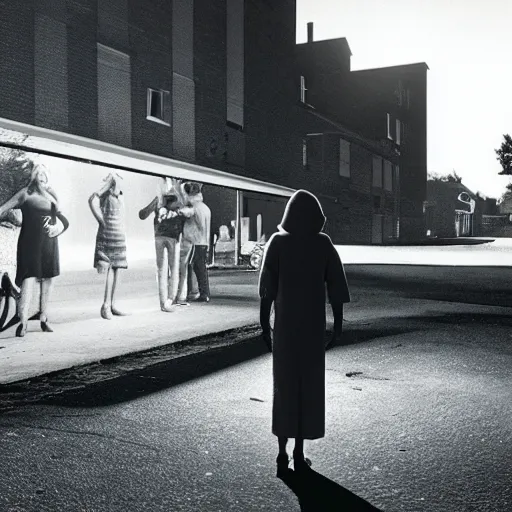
[
  {"x": 387, "y": 106},
  {"x": 217, "y": 90},
  {"x": 452, "y": 210}
]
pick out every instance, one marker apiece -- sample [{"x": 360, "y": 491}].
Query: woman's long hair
[{"x": 42, "y": 187}]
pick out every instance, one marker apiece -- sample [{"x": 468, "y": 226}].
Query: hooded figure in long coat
[{"x": 299, "y": 262}]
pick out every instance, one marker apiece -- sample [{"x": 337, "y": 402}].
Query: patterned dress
[{"x": 111, "y": 240}]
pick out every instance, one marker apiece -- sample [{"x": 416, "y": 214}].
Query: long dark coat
[{"x": 299, "y": 262}]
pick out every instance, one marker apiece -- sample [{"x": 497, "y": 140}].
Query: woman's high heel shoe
[
  {"x": 21, "y": 330},
  {"x": 45, "y": 326},
  {"x": 106, "y": 312}
]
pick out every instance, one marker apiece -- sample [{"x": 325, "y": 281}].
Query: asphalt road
[{"x": 423, "y": 424}]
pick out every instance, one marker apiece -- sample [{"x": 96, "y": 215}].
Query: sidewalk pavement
[
  {"x": 81, "y": 337},
  {"x": 83, "y": 341}
]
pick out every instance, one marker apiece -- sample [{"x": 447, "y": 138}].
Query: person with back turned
[
  {"x": 196, "y": 233},
  {"x": 299, "y": 262}
]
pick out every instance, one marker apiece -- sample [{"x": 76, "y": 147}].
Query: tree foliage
[
  {"x": 504, "y": 155},
  {"x": 15, "y": 171},
  {"x": 452, "y": 177}
]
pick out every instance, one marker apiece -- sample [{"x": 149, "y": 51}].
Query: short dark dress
[{"x": 38, "y": 254}]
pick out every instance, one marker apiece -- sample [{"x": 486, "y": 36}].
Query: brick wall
[
  {"x": 210, "y": 79},
  {"x": 17, "y": 62},
  {"x": 151, "y": 66},
  {"x": 82, "y": 68},
  {"x": 273, "y": 150}
]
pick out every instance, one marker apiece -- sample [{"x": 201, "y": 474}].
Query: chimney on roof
[{"x": 310, "y": 32}]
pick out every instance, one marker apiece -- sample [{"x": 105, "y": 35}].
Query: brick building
[
  {"x": 386, "y": 106},
  {"x": 207, "y": 91}
]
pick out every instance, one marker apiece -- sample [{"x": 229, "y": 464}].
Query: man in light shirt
[{"x": 196, "y": 232}]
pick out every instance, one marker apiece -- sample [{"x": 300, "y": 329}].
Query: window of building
[
  {"x": 398, "y": 131},
  {"x": 408, "y": 97},
  {"x": 390, "y": 136},
  {"x": 304, "y": 153},
  {"x": 388, "y": 176},
  {"x": 303, "y": 89},
  {"x": 377, "y": 172},
  {"x": 155, "y": 106}
]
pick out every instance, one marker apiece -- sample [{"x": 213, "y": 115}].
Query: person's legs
[
  {"x": 282, "y": 460},
  {"x": 201, "y": 271},
  {"x": 24, "y": 304},
  {"x": 283, "y": 441},
  {"x": 300, "y": 461},
  {"x": 173, "y": 255},
  {"x": 193, "y": 289},
  {"x": 298, "y": 449},
  {"x": 162, "y": 273},
  {"x": 106, "y": 308},
  {"x": 44, "y": 299},
  {"x": 184, "y": 268},
  {"x": 113, "y": 306}
]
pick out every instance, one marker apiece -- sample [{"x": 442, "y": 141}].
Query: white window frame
[
  {"x": 398, "y": 127},
  {"x": 303, "y": 89},
  {"x": 390, "y": 136},
  {"x": 344, "y": 164},
  {"x": 149, "y": 117}
]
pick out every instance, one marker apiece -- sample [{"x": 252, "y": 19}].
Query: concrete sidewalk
[
  {"x": 81, "y": 337},
  {"x": 89, "y": 340}
]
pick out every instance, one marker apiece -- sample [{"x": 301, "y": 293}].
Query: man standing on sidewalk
[{"x": 196, "y": 231}]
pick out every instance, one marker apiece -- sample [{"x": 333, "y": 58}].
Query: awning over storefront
[{"x": 64, "y": 145}]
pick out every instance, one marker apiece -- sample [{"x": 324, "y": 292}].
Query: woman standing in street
[
  {"x": 38, "y": 249},
  {"x": 299, "y": 262}
]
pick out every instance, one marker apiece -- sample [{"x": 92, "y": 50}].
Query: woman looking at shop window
[{"x": 38, "y": 249}]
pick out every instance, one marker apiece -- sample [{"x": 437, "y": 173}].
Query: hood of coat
[{"x": 303, "y": 214}]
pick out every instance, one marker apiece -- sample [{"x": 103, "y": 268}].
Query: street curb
[
  {"x": 40, "y": 387},
  {"x": 174, "y": 363}
]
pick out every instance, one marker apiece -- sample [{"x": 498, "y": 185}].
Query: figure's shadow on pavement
[{"x": 317, "y": 493}]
